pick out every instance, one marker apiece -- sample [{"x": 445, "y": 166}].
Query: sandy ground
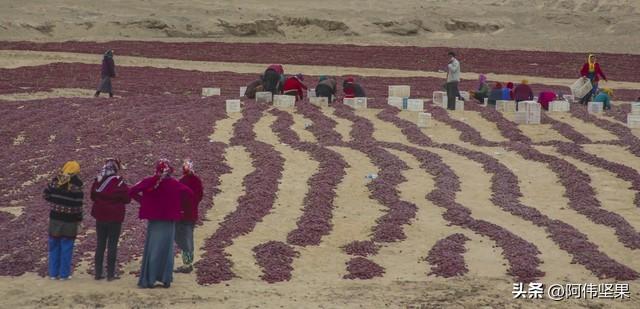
[{"x": 563, "y": 25}]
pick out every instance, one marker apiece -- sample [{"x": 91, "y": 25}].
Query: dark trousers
[
  {"x": 452, "y": 94},
  {"x": 108, "y": 234}
]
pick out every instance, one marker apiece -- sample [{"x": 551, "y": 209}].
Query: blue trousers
[{"x": 60, "y": 253}]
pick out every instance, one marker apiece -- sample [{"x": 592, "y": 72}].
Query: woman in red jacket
[
  {"x": 184, "y": 227},
  {"x": 162, "y": 200},
  {"x": 591, "y": 70},
  {"x": 293, "y": 86},
  {"x": 109, "y": 194}
]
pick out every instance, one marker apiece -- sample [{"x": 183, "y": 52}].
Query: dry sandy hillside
[{"x": 562, "y": 25}]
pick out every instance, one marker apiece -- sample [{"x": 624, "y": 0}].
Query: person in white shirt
[{"x": 453, "y": 78}]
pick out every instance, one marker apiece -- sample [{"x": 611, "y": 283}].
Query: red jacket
[
  {"x": 193, "y": 182},
  {"x": 165, "y": 203},
  {"x": 293, "y": 83},
  {"x": 546, "y": 97},
  {"x": 585, "y": 71},
  {"x": 109, "y": 198}
]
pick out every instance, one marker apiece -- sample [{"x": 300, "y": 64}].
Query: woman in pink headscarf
[
  {"x": 162, "y": 202},
  {"x": 483, "y": 89}
]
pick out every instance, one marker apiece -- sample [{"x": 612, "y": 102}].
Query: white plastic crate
[
  {"x": 465, "y": 95},
  {"x": 284, "y": 101},
  {"x": 505, "y": 106},
  {"x": 532, "y": 110},
  {"x": 243, "y": 90},
  {"x": 207, "y": 92},
  {"x": 439, "y": 97},
  {"x": 319, "y": 101},
  {"x": 395, "y": 101},
  {"x": 424, "y": 120},
  {"x": 633, "y": 121},
  {"x": 570, "y": 98},
  {"x": 459, "y": 105},
  {"x": 403, "y": 91},
  {"x": 264, "y": 96},
  {"x": 635, "y": 108},
  {"x": 485, "y": 102},
  {"x": 415, "y": 105},
  {"x": 311, "y": 93},
  {"x": 581, "y": 87},
  {"x": 559, "y": 106},
  {"x": 360, "y": 103},
  {"x": 595, "y": 107},
  {"x": 520, "y": 117},
  {"x": 233, "y": 106}
]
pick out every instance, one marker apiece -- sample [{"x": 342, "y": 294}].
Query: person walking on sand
[
  {"x": 64, "y": 194},
  {"x": 453, "y": 79},
  {"x": 184, "y": 227},
  {"x": 107, "y": 72},
  {"x": 162, "y": 200},
  {"x": 591, "y": 70},
  {"x": 109, "y": 194}
]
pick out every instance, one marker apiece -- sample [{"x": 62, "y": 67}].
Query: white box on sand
[
  {"x": 311, "y": 93},
  {"x": 284, "y": 101},
  {"x": 633, "y": 121},
  {"x": 595, "y": 107},
  {"x": 532, "y": 112},
  {"x": 207, "y": 92},
  {"x": 581, "y": 87},
  {"x": 415, "y": 105},
  {"x": 395, "y": 101},
  {"x": 319, "y": 101},
  {"x": 520, "y": 117},
  {"x": 439, "y": 97},
  {"x": 243, "y": 90},
  {"x": 559, "y": 106},
  {"x": 264, "y": 96},
  {"x": 635, "y": 108},
  {"x": 568, "y": 97},
  {"x": 505, "y": 106},
  {"x": 485, "y": 102},
  {"x": 233, "y": 106},
  {"x": 465, "y": 95},
  {"x": 424, "y": 120},
  {"x": 357, "y": 103},
  {"x": 459, "y": 105},
  {"x": 403, "y": 91}
]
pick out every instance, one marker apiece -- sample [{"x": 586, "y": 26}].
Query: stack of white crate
[
  {"x": 424, "y": 120},
  {"x": 319, "y": 101},
  {"x": 505, "y": 106},
  {"x": 264, "y": 97},
  {"x": 415, "y": 105},
  {"x": 595, "y": 107},
  {"x": 311, "y": 93},
  {"x": 559, "y": 106},
  {"x": 403, "y": 91},
  {"x": 243, "y": 90},
  {"x": 395, "y": 101},
  {"x": 633, "y": 118},
  {"x": 233, "y": 106},
  {"x": 440, "y": 98},
  {"x": 356, "y": 103},
  {"x": 465, "y": 95},
  {"x": 459, "y": 105},
  {"x": 284, "y": 101},
  {"x": 520, "y": 117},
  {"x": 207, "y": 92},
  {"x": 528, "y": 113}
]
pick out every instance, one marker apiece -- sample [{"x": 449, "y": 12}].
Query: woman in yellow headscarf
[
  {"x": 591, "y": 70},
  {"x": 64, "y": 194}
]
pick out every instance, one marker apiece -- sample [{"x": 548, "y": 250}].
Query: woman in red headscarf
[
  {"x": 184, "y": 227},
  {"x": 162, "y": 202},
  {"x": 352, "y": 89}
]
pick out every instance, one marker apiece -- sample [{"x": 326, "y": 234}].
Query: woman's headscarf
[
  {"x": 322, "y": 77},
  {"x": 608, "y": 91},
  {"x": 524, "y": 82},
  {"x": 592, "y": 63},
  {"x": 299, "y": 77},
  {"x": 163, "y": 170},
  {"x": 510, "y": 85},
  {"x": 111, "y": 167},
  {"x": 187, "y": 167},
  {"x": 482, "y": 79},
  {"x": 68, "y": 170},
  {"x": 108, "y": 53},
  {"x": 497, "y": 85}
]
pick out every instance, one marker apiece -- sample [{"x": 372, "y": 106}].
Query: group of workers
[
  {"x": 274, "y": 80},
  {"x": 170, "y": 205}
]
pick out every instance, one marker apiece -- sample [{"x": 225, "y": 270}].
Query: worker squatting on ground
[
  {"x": 326, "y": 88},
  {"x": 294, "y": 86}
]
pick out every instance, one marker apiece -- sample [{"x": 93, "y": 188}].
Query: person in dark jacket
[
  {"x": 591, "y": 70},
  {"x": 523, "y": 92},
  {"x": 184, "y": 227},
  {"x": 483, "y": 89},
  {"x": 326, "y": 88},
  {"x": 495, "y": 94},
  {"x": 252, "y": 88},
  {"x": 162, "y": 201},
  {"x": 273, "y": 79},
  {"x": 294, "y": 86},
  {"x": 64, "y": 194},
  {"x": 109, "y": 194},
  {"x": 352, "y": 89},
  {"x": 107, "y": 72}
]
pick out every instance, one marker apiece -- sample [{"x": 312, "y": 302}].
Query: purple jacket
[{"x": 108, "y": 67}]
